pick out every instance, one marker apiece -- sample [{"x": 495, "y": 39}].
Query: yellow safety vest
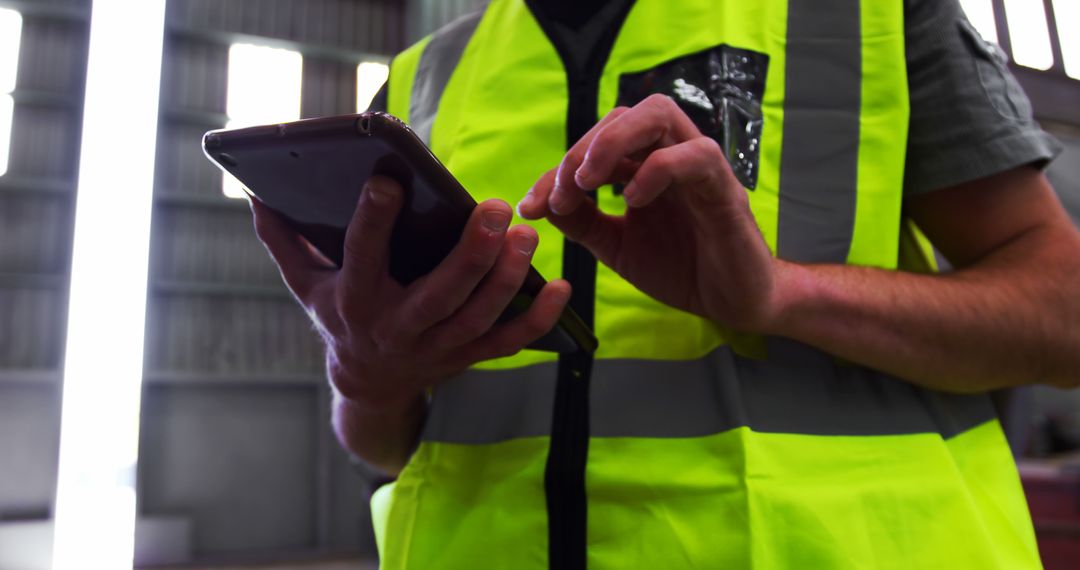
[{"x": 685, "y": 445}]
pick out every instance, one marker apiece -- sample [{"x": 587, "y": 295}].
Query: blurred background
[{"x": 237, "y": 464}]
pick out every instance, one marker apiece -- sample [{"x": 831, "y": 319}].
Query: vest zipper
[{"x": 564, "y": 475}]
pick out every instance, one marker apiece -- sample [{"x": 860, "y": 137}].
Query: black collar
[{"x": 572, "y": 13}]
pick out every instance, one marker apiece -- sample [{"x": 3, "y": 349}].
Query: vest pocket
[{"x": 721, "y": 90}]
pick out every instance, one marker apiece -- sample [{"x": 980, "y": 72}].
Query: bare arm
[{"x": 1009, "y": 314}]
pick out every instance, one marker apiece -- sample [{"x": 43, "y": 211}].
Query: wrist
[
  {"x": 403, "y": 406},
  {"x": 376, "y": 396},
  {"x": 794, "y": 288}
]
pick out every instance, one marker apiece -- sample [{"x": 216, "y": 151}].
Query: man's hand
[
  {"x": 387, "y": 344},
  {"x": 688, "y": 237},
  {"x": 1007, "y": 316}
]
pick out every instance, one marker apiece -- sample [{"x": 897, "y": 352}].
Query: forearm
[
  {"x": 1012, "y": 318},
  {"x": 382, "y": 436}
]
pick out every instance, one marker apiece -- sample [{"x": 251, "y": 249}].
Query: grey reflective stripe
[
  {"x": 437, "y": 64},
  {"x": 488, "y": 406},
  {"x": 799, "y": 391},
  {"x": 820, "y": 154}
]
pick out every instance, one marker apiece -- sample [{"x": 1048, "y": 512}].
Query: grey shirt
[{"x": 969, "y": 117}]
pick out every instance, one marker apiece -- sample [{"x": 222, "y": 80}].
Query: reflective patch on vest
[
  {"x": 799, "y": 390},
  {"x": 720, "y": 89},
  {"x": 438, "y": 62}
]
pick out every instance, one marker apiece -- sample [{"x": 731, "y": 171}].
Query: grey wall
[
  {"x": 235, "y": 418},
  {"x": 36, "y": 205},
  {"x": 235, "y": 434}
]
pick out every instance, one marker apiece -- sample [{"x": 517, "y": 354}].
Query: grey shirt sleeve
[{"x": 969, "y": 117}]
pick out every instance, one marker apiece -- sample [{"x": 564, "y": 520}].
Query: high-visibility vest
[{"x": 697, "y": 446}]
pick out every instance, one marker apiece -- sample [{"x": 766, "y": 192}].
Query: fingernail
[
  {"x": 526, "y": 202},
  {"x": 557, "y": 200},
  {"x": 526, "y": 243},
  {"x": 562, "y": 296},
  {"x": 495, "y": 221},
  {"x": 630, "y": 193},
  {"x": 582, "y": 177},
  {"x": 380, "y": 195}
]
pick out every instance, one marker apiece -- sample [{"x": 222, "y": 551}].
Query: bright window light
[
  {"x": 981, "y": 15},
  {"x": 1028, "y": 33},
  {"x": 370, "y": 77},
  {"x": 1067, "y": 14},
  {"x": 10, "y": 34},
  {"x": 99, "y": 430},
  {"x": 264, "y": 87}
]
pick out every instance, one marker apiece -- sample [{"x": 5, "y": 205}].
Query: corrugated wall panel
[
  {"x": 44, "y": 143},
  {"x": 29, "y": 432},
  {"x": 30, "y": 328},
  {"x": 35, "y": 222},
  {"x": 373, "y": 26},
  {"x": 35, "y": 233},
  {"x": 195, "y": 77},
  {"x": 52, "y": 56},
  {"x": 237, "y": 462},
  {"x": 182, "y": 168},
  {"x": 329, "y": 88},
  {"x": 220, "y": 324},
  {"x": 231, "y": 336},
  {"x": 210, "y": 246}
]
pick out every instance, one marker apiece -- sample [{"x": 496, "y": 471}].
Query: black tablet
[{"x": 311, "y": 172}]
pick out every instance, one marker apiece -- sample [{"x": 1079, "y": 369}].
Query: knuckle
[
  {"x": 478, "y": 261},
  {"x": 601, "y": 144},
  {"x": 663, "y": 160},
  {"x": 534, "y": 327},
  {"x": 367, "y": 218},
  {"x": 360, "y": 256},
  {"x": 708, "y": 147},
  {"x": 575, "y": 155},
  {"x": 429, "y": 307},
  {"x": 472, "y": 328},
  {"x": 380, "y": 336},
  {"x": 509, "y": 280},
  {"x": 656, "y": 99},
  {"x": 659, "y": 101},
  {"x": 385, "y": 339}
]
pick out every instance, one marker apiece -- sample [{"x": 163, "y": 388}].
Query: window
[
  {"x": 263, "y": 87},
  {"x": 370, "y": 77},
  {"x": 10, "y": 35},
  {"x": 1066, "y": 12},
  {"x": 1029, "y": 34},
  {"x": 981, "y": 15}
]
